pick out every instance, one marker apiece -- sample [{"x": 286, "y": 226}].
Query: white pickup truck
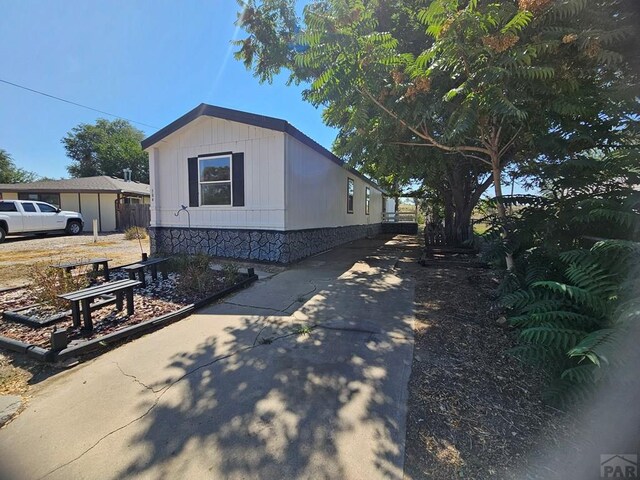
[{"x": 22, "y": 216}]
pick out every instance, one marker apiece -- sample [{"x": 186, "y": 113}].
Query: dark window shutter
[
  {"x": 237, "y": 179},
  {"x": 194, "y": 201}
]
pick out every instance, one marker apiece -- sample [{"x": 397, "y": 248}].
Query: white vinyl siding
[
  {"x": 263, "y": 175},
  {"x": 317, "y": 188}
]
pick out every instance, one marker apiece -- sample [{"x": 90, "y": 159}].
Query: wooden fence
[
  {"x": 133, "y": 215},
  {"x": 434, "y": 234}
]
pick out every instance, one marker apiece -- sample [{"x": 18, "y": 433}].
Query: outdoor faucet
[{"x": 184, "y": 209}]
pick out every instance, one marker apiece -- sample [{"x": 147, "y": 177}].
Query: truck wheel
[
  {"x": 73, "y": 227},
  {"x": 3, "y": 234}
]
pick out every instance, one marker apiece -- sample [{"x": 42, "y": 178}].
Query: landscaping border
[{"x": 48, "y": 355}]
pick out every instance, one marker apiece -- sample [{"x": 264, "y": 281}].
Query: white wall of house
[
  {"x": 390, "y": 204},
  {"x": 107, "y": 212},
  {"x": 70, "y": 201},
  {"x": 316, "y": 191},
  {"x": 89, "y": 209},
  {"x": 263, "y": 175}
]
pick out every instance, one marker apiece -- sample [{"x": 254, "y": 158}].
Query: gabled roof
[
  {"x": 270, "y": 123},
  {"x": 98, "y": 184}
]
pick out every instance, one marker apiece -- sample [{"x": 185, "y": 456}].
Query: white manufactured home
[{"x": 252, "y": 187}]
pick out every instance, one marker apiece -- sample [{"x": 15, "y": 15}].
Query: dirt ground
[
  {"x": 474, "y": 411},
  {"x": 18, "y": 254}
]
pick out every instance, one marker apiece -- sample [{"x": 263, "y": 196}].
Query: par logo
[{"x": 614, "y": 465}]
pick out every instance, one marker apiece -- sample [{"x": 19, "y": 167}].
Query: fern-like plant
[
  {"x": 574, "y": 291},
  {"x": 572, "y": 327}
]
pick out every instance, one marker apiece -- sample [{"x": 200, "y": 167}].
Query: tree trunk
[
  {"x": 461, "y": 192},
  {"x": 449, "y": 217},
  {"x": 496, "y": 171}
]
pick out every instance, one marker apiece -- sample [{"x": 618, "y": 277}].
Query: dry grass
[
  {"x": 18, "y": 255},
  {"x": 17, "y": 371}
]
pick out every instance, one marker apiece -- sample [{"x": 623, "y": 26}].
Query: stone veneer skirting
[{"x": 262, "y": 245}]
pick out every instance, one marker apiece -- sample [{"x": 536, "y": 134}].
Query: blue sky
[{"x": 149, "y": 61}]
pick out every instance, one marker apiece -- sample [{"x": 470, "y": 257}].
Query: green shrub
[
  {"x": 133, "y": 233},
  {"x": 195, "y": 277},
  {"x": 181, "y": 262},
  {"x": 572, "y": 326},
  {"x": 231, "y": 273},
  {"x": 48, "y": 283},
  {"x": 573, "y": 293}
]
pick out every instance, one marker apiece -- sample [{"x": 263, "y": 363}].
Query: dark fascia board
[{"x": 263, "y": 121}]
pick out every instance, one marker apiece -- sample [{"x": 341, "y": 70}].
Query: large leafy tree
[
  {"x": 106, "y": 148},
  {"x": 367, "y": 138},
  {"x": 449, "y": 180},
  {"x": 492, "y": 82},
  {"x": 10, "y": 173}
]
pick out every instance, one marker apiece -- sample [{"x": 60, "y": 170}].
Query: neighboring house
[
  {"x": 95, "y": 197},
  {"x": 254, "y": 187}
]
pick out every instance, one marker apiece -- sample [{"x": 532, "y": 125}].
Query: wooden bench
[
  {"x": 96, "y": 262},
  {"x": 85, "y": 296},
  {"x": 138, "y": 268}
]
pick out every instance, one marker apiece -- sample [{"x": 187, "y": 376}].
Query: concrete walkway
[{"x": 302, "y": 375}]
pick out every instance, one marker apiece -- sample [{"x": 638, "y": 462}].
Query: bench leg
[
  {"x": 86, "y": 315},
  {"x": 163, "y": 269},
  {"x": 154, "y": 272},
  {"x": 132, "y": 275},
  {"x": 130, "y": 306},
  {"x": 141, "y": 277},
  {"x": 75, "y": 314},
  {"x": 105, "y": 268},
  {"x": 119, "y": 298}
]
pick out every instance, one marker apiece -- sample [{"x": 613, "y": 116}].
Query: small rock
[{"x": 502, "y": 321}]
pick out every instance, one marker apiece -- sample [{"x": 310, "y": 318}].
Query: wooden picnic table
[
  {"x": 85, "y": 296},
  {"x": 96, "y": 262},
  {"x": 152, "y": 263}
]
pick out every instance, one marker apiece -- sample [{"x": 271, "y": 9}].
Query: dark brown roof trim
[{"x": 270, "y": 123}]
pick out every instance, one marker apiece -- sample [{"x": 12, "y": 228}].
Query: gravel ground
[{"x": 18, "y": 254}]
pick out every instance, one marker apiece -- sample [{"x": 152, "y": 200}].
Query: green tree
[
  {"x": 10, "y": 173},
  {"x": 490, "y": 81},
  {"x": 106, "y": 148}
]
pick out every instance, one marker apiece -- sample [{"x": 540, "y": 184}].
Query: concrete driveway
[{"x": 303, "y": 375}]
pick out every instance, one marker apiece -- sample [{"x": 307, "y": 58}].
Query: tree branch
[
  {"x": 469, "y": 155},
  {"x": 509, "y": 143},
  {"x": 425, "y": 134}
]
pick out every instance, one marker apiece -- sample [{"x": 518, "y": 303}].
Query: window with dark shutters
[{"x": 216, "y": 179}]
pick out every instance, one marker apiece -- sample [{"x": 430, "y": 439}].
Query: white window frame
[
  {"x": 351, "y": 181},
  {"x": 367, "y": 200},
  {"x": 230, "y": 181}
]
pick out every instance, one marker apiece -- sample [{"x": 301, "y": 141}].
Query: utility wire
[{"x": 76, "y": 104}]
